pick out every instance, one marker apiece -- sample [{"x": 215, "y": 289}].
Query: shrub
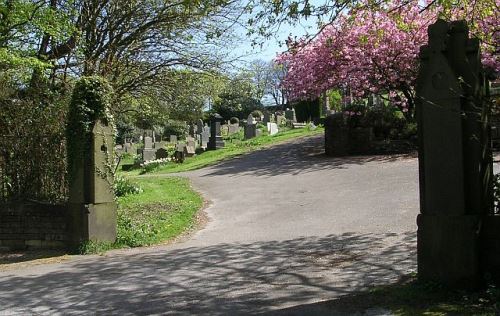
[
  {"x": 384, "y": 120},
  {"x": 307, "y": 110},
  {"x": 257, "y": 114},
  {"x": 124, "y": 186},
  {"x": 234, "y": 120},
  {"x": 173, "y": 127}
]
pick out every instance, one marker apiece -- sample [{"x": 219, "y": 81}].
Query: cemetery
[{"x": 149, "y": 168}]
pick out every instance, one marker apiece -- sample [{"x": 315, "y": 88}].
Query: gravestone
[
  {"x": 199, "y": 126},
  {"x": 268, "y": 118},
  {"x": 161, "y": 153},
  {"x": 280, "y": 120},
  {"x": 250, "y": 128},
  {"x": 190, "y": 147},
  {"x": 272, "y": 128},
  {"x": 180, "y": 152},
  {"x": 215, "y": 141},
  {"x": 148, "y": 152},
  {"x": 455, "y": 168},
  {"x": 192, "y": 129},
  {"x": 127, "y": 147},
  {"x": 233, "y": 129},
  {"x": 290, "y": 115},
  {"x": 173, "y": 139},
  {"x": 205, "y": 137}
]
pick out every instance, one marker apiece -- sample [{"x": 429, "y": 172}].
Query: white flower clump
[{"x": 156, "y": 161}]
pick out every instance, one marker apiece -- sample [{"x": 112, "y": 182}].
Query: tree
[
  {"x": 373, "y": 50},
  {"x": 238, "y": 98}
]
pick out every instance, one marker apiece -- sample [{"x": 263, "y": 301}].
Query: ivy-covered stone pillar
[{"x": 90, "y": 144}]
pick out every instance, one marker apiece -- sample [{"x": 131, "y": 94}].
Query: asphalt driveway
[{"x": 287, "y": 227}]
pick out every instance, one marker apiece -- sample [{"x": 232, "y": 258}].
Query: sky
[{"x": 271, "y": 46}]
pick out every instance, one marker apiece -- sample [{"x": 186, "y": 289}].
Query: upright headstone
[
  {"x": 272, "y": 128},
  {"x": 190, "y": 146},
  {"x": 215, "y": 141},
  {"x": 267, "y": 118},
  {"x": 192, "y": 129},
  {"x": 173, "y": 139},
  {"x": 233, "y": 129},
  {"x": 199, "y": 126},
  {"x": 250, "y": 128},
  {"x": 148, "y": 152},
  {"x": 290, "y": 115},
  {"x": 205, "y": 137},
  {"x": 161, "y": 153},
  {"x": 454, "y": 160},
  {"x": 127, "y": 147}
]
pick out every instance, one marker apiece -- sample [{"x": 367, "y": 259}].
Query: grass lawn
[
  {"x": 234, "y": 146},
  {"x": 162, "y": 211}
]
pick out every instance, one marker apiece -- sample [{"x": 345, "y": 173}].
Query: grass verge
[
  {"x": 165, "y": 209},
  {"x": 234, "y": 146}
]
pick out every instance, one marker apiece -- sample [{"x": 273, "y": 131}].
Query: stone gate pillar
[
  {"x": 454, "y": 158},
  {"x": 90, "y": 142}
]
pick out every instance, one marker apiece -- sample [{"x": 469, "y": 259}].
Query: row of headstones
[{"x": 252, "y": 131}]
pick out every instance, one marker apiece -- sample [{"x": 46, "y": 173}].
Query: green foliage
[
  {"x": 95, "y": 247},
  {"x": 174, "y": 127},
  {"x": 234, "y": 120},
  {"x": 384, "y": 120},
  {"x": 496, "y": 193},
  {"x": 123, "y": 186},
  {"x": 307, "y": 110},
  {"x": 257, "y": 114},
  {"x": 89, "y": 103},
  {"x": 166, "y": 208}
]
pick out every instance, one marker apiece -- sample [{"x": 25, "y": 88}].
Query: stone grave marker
[
  {"x": 205, "y": 137},
  {"x": 161, "y": 153},
  {"x": 148, "y": 153},
  {"x": 190, "y": 147},
  {"x": 272, "y": 128},
  {"x": 250, "y": 128},
  {"x": 173, "y": 139},
  {"x": 290, "y": 115},
  {"x": 233, "y": 129},
  {"x": 215, "y": 141},
  {"x": 199, "y": 126}
]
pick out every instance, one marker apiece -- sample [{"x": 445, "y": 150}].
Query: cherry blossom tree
[{"x": 374, "y": 50}]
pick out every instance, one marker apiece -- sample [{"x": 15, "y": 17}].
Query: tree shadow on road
[
  {"x": 300, "y": 156},
  {"x": 222, "y": 279}
]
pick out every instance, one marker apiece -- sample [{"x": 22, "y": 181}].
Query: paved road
[{"x": 289, "y": 228}]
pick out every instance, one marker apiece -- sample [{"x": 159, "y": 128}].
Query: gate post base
[{"x": 447, "y": 250}]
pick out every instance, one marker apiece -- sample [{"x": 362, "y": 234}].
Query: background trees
[{"x": 373, "y": 50}]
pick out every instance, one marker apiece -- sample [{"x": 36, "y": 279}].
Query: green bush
[
  {"x": 234, "y": 120},
  {"x": 124, "y": 186},
  {"x": 173, "y": 127},
  {"x": 386, "y": 121},
  {"x": 257, "y": 114},
  {"x": 307, "y": 110}
]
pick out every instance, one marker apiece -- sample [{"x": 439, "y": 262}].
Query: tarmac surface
[{"x": 290, "y": 231}]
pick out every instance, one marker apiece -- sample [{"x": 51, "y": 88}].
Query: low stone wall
[
  {"x": 31, "y": 225},
  {"x": 341, "y": 140}
]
